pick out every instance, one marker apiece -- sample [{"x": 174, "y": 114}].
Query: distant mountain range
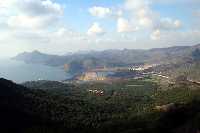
[{"x": 109, "y": 58}]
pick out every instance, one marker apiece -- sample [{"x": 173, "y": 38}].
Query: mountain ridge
[{"x": 80, "y": 62}]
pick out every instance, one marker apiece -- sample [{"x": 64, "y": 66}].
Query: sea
[{"x": 19, "y": 71}]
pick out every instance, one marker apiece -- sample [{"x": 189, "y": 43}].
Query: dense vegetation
[{"x": 126, "y": 106}]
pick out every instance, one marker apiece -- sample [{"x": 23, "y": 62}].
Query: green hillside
[{"x": 128, "y": 106}]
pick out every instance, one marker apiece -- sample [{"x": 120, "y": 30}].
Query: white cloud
[
  {"x": 36, "y": 22},
  {"x": 124, "y": 25},
  {"x": 140, "y": 13},
  {"x": 136, "y": 4},
  {"x": 176, "y": 38},
  {"x": 33, "y": 13},
  {"x": 25, "y": 23},
  {"x": 65, "y": 34},
  {"x": 177, "y": 23},
  {"x": 100, "y": 11},
  {"x": 137, "y": 15},
  {"x": 39, "y": 7},
  {"x": 169, "y": 24},
  {"x": 145, "y": 16},
  {"x": 40, "y": 24},
  {"x": 145, "y": 22},
  {"x": 6, "y": 3},
  {"x": 155, "y": 35},
  {"x": 119, "y": 13},
  {"x": 95, "y": 29}
]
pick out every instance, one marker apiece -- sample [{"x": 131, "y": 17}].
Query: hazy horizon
[{"x": 86, "y": 51}]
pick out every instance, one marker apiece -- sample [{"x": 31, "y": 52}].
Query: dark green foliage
[{"x": 125, "y": 107}]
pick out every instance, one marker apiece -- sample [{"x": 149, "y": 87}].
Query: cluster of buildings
[
  {"x": 97, "y": 92},
  {"x": 142, "y": 67},
  {"x": 98, "y": 74}
]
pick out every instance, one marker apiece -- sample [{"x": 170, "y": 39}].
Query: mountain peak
[{"x": 36, "y": 52}]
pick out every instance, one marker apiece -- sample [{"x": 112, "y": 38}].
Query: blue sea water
[{"x": 19, "y": 71}]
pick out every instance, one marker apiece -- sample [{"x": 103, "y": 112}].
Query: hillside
[
  {"x": 17, "y": 108},
  {"x": 35, "y": 57},
  {"x": 42, "y": 110}
]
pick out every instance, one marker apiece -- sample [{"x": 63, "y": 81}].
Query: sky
[{"x": 62, "y": 26}]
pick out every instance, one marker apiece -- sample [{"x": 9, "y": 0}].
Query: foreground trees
[{"x": 120, "y": 110}]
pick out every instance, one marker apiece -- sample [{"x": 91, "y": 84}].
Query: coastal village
[
  {"x": 107, "y": 74},
  {"x": 110, "y": 75}
]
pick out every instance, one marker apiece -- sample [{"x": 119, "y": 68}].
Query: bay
[{"x": 19, "y": 71}]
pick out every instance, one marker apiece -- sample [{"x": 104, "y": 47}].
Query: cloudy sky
[{"x": 61, "y": 26}]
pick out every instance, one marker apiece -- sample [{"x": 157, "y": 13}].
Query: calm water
[{"x": 20, "y": 72}]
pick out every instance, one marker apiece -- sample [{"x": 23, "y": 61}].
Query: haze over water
[{"x": 20, "y": 72}]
